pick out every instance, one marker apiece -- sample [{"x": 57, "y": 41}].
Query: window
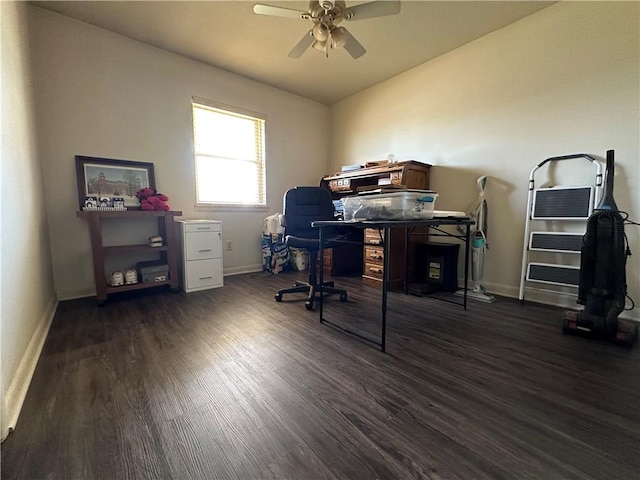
[{"x": 229, "y": 155}]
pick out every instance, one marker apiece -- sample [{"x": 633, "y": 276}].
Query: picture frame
[{"x": 114, "y": 179}]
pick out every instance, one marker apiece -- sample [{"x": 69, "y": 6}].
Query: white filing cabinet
[{"x": 201, "y": 254}]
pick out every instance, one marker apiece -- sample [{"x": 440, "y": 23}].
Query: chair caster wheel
[
  {"x": 343, "y": 297},
  {"x": 309, "y": 305},
  {"x": 278, "y": 297}
]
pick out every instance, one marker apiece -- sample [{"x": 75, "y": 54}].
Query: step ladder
[{"x": 558, "y": 206}]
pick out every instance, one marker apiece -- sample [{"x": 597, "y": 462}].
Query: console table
[{"x": 167, "y": 251}]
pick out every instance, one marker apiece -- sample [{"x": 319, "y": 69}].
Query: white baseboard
[
  {"x": 242, "y": 269},
  {"x": 14, "y": 397},
  {"x": 64, "y": 295},
  {"x": 548, "y": 297}
]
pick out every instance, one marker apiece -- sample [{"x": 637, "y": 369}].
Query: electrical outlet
[{"x": 228, "y": 245}]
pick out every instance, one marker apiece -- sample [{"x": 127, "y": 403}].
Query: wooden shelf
[
  {"x": 144, "y": 248},
  {"x": 128, "y": 213},
  {"x": 135, "y": 286},
  {"x": 167, "y": 252}
]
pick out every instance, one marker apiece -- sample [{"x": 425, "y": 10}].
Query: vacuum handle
[
  {"x": 607, "y": 202},
  {"x": 609, "y": 172}
]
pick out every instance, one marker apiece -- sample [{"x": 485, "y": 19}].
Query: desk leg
[
  {"x": 406, "y": 260},
  {"x": 466, "y": 265},
  {"x": 383, "y": 334},
  {"x": 385, "y": 276},
  {"x": 321, "y": 261}
]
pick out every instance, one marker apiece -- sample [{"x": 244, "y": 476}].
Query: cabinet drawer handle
[
  {"x": 206, "y": 278},
  {"x": 376, "y": 256},
  {"x": 203, "y": 228},
  {"x": 375, "y": 270},
  {"x": 375, "y": 242},
  {"x": 207, "y": 250}
]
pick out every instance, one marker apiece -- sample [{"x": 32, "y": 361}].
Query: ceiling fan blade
[
  {"x": 304, "y": 43},
  {"x": 380, "y": 8},
  {"x": 277, "y": 11},
  {"x": 352, "y": 46}
]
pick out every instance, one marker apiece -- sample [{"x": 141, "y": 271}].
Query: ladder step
[
  {"x": 562, "y": 203},
  {"x": 556, "y": 241},
  {"x": 554, "y": 274}
]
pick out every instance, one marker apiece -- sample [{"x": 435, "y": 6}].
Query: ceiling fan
[{"x": 325, "y": 15}]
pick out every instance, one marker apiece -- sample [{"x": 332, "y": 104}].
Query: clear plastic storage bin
[{"x": 403, "y": 205}]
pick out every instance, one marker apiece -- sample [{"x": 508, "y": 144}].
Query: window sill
[{"x": 211, "y": 207}]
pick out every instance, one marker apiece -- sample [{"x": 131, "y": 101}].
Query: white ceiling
[{"x": 228, "y": 35}]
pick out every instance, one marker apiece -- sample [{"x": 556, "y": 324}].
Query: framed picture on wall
[{"x": 106, "y": 178}]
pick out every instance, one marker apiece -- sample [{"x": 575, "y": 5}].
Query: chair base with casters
[{"x": 312, "y": 287}]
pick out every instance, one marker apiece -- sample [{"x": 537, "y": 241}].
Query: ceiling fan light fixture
[
  {"x": 327, "y": 4},
  {"x": 325, "y": 15},
  {"x": 320, "y": 45},
  {"x": 338, "y": 37},
  {"x": 320, "y": 32}
]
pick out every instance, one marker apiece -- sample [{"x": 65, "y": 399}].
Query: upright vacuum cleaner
[
  {"x": 603, "y": 287},
  {"x": 478, "y": 212}
]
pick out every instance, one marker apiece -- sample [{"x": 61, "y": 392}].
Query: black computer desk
[{"x": 384, "y": 226}]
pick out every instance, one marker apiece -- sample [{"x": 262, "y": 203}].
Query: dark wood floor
[{"x": 228, "y": 384}]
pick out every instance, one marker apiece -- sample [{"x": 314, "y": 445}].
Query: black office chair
[{"x": 303, "y": 205}]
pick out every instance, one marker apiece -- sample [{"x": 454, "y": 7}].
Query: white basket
[{"x": 404, "y": 205}]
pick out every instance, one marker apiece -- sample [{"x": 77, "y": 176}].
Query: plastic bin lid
[{"x": 378, "y": 191}]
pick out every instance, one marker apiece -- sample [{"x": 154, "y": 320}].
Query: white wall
[
  {"x": 27, "y": 295},
  {"x": 101, "y": 94},
  {"x": 562, "y": 81}
]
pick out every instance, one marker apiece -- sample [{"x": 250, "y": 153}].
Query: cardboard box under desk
[{"x": 152, "y": 272}]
